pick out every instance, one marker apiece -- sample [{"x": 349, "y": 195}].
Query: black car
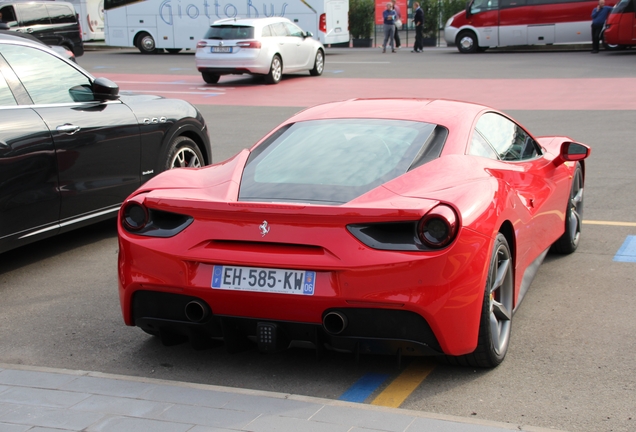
[
  {"x": 72, "y": 148},
  {"x": 53, "y": 22}
]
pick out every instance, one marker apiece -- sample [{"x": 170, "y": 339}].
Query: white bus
[
  {"x": 173, "y": 25},
  {"x": 91, "y": 18}
]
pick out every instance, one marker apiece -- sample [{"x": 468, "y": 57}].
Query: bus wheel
[
  {"x": 146, "y": 44},
  {"x": 210, "y": 78},
  {"x": 466, "y": 42}
]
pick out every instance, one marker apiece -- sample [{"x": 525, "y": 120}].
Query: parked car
[
  {"x": 72, "y": 149},
  {"x": 269, "y": 47},
  {"x": 62, "y": 51},
  {"x": 53, "y": 22},
  {"x": 405, "y": 227}
]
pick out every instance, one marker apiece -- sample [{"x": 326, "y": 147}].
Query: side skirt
[{"x": 528, "y": 277}]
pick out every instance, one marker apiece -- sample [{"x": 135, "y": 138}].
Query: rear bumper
[{"x": 364, "y": 330}]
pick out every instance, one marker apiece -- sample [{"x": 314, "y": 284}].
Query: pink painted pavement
[{"x": 302, "y": 91}]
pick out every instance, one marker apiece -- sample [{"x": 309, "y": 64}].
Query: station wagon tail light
[
  {"x": 322, "y": 25},
  {"x": 202, "y": 44},
  {"x": 438, "y": 228},
  {"x": 249, "y": 44}
]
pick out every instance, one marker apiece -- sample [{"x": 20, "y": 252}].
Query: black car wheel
[
  {"x": 184, "y": 153},
  {"x": 319, "y": 64},
  {"x": 210, "y": 78},
  {"x": 496, "y": 311},
  {"x": 466, "y": 42},
  {"x": 146, "y": 44},
  {"x": 275, "y": 71},
  {"x": 569, "y": 241}
]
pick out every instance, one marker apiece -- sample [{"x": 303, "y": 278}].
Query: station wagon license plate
[
  {"x": 279, "y": 281},
  {"x": 221, "y": 49}
]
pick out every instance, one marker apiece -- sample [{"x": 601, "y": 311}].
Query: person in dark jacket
[
  {"x": 599, "y": 15},
  {"x": 418, "y": 20}
]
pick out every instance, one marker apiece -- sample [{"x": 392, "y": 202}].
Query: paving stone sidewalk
[{"x": 47, "y": 400}]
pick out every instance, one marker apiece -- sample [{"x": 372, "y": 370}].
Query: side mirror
[
  {"x": 104, "y": 89},
  {"x": 572, "y": 152},
  {"x": 308, "y": 34}
]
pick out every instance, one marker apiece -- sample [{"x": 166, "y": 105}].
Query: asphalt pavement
[{"x": 47, "y": 400}]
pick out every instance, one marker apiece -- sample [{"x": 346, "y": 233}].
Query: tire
[
  {"x": 319, "y": 64},
  {"x": 173, "y": 50},
  {"x": 275, "y": 71},
  {"x": 467, "y": 42},
  {"x": 183, "y": 153},
  {"x": 210, "y": 78},
  {"x": 569, "y": 241},
  {"x": 496, "y": 312},
  {"x": 146, "y": 44}
]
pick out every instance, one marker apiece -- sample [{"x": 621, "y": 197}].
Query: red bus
[
  {"x": 620, "y": 28},
  {"x": 498, "y": 23}
]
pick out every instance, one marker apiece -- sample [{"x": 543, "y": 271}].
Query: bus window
[{"x": 483, "y": 5}]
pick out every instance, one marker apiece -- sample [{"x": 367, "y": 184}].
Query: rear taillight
[
  {"x": 322, "y": 25},
  {"x": 134, "y": 216},
  {"x": 202, "y": 44},
  {"x": 249, "y": 44},
  {"x": 438, "y": 228}
]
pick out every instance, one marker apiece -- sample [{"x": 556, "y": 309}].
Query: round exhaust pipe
[
  {"x": 196, "y": 311},
  {"x": 334, "y": 322}
]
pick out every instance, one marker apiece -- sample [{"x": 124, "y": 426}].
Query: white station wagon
[{"x": 260, "y": 46}]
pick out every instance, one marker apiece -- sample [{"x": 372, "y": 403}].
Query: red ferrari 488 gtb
[{"x": 409, "y": 227}]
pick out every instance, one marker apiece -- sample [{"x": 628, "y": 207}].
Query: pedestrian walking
[
  {"x": 599, "y": 15},
  {"x": 418, "y": 20},
  {"x": 389, "y": 16}
]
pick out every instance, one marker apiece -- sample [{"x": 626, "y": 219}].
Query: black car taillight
[{"x": 438, "y": 228}]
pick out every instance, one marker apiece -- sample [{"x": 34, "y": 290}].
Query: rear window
[
  {"x": 335, "y": 161},
  {"x": 229, "y": 32}
]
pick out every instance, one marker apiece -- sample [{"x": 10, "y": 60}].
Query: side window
[
  {"x": 32, "y": 14},
  {"x": 47, "y": 79},
  {"x": 6, "y": 96},
  {"x": 480, "y": 147},
  {"x": 279, "y": 29},
  {"x": 267, "y": 31},
  {"x": 484, "y": 5},
  {"x": 8, "y": 14},
  {"x": 61, "y": 14},
  {"x": 294, "y": 30},
  {"x": 507, "y": 138}
]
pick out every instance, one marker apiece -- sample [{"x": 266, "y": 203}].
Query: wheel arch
[
  {"x": 471, "y": 29},
  {"x": 508, "y": 232},
  {"x": 190, "y": 129}
]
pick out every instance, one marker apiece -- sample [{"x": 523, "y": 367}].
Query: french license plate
[
  {"x": 220, "y": 49},
  {"x": 258, "y": 279}
]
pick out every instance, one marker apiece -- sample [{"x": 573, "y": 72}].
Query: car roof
[{"x": 255, "y": 22}]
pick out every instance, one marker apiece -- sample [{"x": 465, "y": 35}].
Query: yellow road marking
[
  {"x": 404, "y": 384},
  {"x": 627, "y": 224}
]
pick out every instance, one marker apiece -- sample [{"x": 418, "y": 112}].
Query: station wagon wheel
[
  {"x": 319, "y": 64},
  {"x": 569, "y": 241},
  {"x": 275, "y": 71},
  {"x": 146, "y": 43},
  {"x": 183, "y": 153},
  {"x": 210, "y": 78},
  {"x": 466, "y": 42}
]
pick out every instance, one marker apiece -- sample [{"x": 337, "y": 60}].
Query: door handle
[{"x": 68, "y": 129}]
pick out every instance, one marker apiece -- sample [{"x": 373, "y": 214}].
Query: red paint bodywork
[
  {"x": 621, "y": 28},
  {"x": 445, "y": 287}
]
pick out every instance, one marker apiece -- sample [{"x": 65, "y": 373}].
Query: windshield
[
  {"x": 335, "y": 161},
  {"x": 229, "y": 32},
  {"x": 623, "y": 6}
]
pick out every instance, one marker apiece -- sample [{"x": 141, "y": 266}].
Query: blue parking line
[
  {"x": 627, "y": 252},
  {"x": 364, "y": 387}
]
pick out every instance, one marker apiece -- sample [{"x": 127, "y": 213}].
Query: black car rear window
[
  {"x": 229, "y": 32},
  {"x": 335, "y": 161}
]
